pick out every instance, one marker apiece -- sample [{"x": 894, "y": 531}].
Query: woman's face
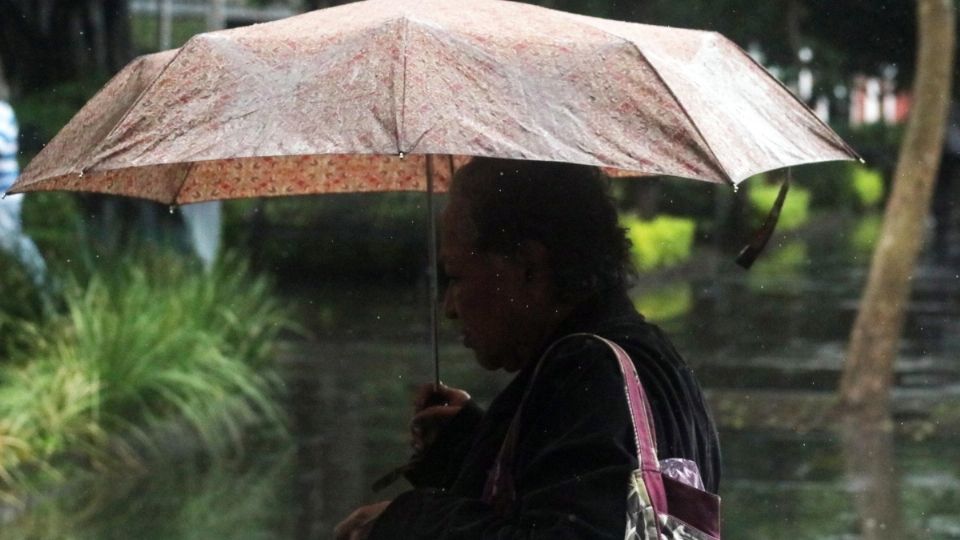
[{"x": 499, "y": 305}]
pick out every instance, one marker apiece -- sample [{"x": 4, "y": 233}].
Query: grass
[{"x": 145, "y": 344}]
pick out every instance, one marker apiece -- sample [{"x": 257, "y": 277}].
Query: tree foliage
[
  {"x": 845, "y": 36},
  {"x": 45, "y": 42}
]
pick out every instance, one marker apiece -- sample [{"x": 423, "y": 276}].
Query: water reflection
[
  {"x": 178, "y": 499},
  {"x": 873, "y": 478}
]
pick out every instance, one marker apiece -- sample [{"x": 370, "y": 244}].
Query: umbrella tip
[{"x": 402, "y": 155}]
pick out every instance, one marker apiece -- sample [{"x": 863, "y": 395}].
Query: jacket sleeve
[
  {"x": 440, "y": 463},
  {"x": 573, "y": 458}
]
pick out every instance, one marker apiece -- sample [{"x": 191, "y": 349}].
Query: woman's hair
[{"x": 565, "y": 207}]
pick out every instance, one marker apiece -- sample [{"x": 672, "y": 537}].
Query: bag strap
[
  {"x": 643, "y": 430},
  {"x": 500, "y": 489}
]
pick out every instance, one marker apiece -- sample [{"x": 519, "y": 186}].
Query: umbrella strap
[{"x": 752, "y": 250}]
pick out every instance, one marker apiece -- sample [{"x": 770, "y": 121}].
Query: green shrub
[
  {"x": 665, "y": 303},
  {"x": 176, "y": 499},
  {"x": 866, "y": 232},
  {"x": 661, "y": 242},
  {"x": 842, "y": 184},
  {"x": 55, "y": 222},
  {"x": 673, "y": 196},
  {"x": 144, "y": 344},
  {"x": 20, "y": 299},
  {"x": 867, "y": 184},
  {"x": 796, "y": 207},
  {"x": 827, "y": 183}
]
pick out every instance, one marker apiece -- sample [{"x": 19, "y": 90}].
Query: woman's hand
[
  {"x": 433, "y": 408},
  {"x": 358, "y": 525}
]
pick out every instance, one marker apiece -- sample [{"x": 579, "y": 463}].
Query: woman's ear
[{"x": 535, "y": 259}]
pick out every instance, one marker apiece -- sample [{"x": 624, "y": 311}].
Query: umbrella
[{"x": 391, "y": 94}]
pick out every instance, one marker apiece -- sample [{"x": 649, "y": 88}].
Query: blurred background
[{"x": 243, "y": 369}]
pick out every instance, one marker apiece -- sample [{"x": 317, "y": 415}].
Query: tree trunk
[{"x": 868, "y": 371}]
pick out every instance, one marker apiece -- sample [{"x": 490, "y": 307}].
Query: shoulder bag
[{"x": 664, "y": 500}]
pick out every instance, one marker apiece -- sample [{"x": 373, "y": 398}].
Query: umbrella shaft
[{"x": 432, "y": 269}]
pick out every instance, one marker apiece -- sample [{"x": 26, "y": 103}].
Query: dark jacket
[{"x": 575, "y": 450}]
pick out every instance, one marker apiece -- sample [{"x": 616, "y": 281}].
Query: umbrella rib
[
  {"x": 686, "y": 113},
  {"x": 399, "y": 118},
  {"x": 706, "y": 143},
  {"x": 683, "y": 108}
]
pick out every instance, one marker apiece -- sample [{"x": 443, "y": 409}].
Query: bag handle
[
  {"x": 500, "y": 490},
  {"x": 643, "y": 431}
]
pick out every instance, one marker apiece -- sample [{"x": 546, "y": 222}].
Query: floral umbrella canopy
[
  {"x": 357, "y": 97},
  {"x": 367, "y": 96}
]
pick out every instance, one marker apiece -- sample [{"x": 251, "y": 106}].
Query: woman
[{"x": 534, "y": 253}]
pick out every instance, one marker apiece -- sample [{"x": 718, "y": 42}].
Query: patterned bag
[{"x": 665, "y": 500}]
